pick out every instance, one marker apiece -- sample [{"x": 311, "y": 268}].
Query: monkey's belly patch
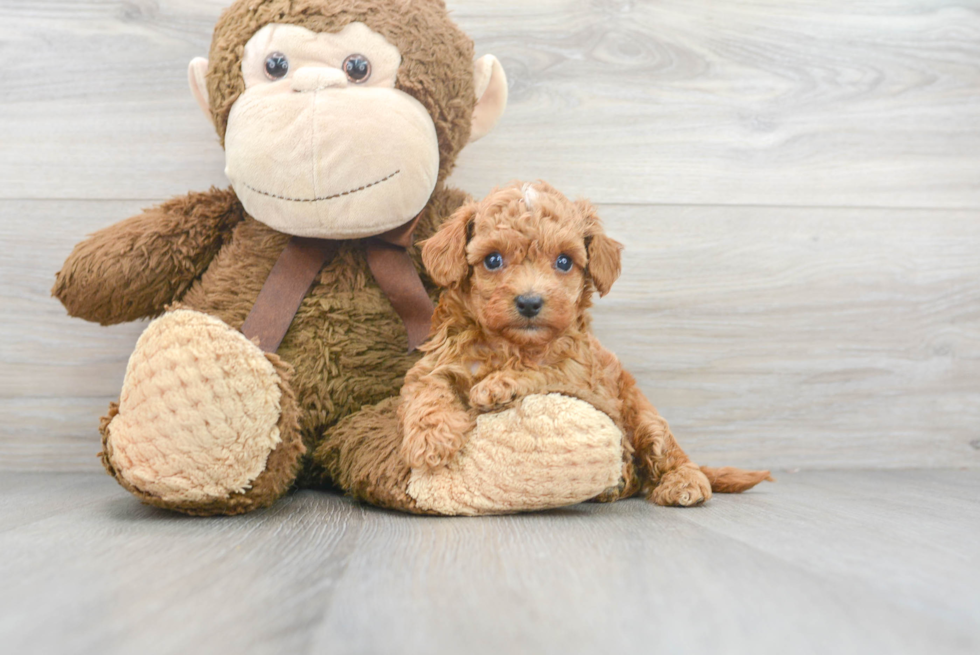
[
  {"x": 332, "y": 197},
  {"x": 550, "y": 451},
  {"x": 199, "y": 411}
]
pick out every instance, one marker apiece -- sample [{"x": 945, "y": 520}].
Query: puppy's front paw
[
  {"x": 432, "y": 445},
  {"x": 492, "y": 393},
  {"x": 683, "y": 487}
]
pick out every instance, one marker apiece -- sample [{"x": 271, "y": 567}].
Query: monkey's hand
[{"x": 134, "y": 269}]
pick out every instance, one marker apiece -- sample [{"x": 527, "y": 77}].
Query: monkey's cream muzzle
[
  {"x": 315, "y": 155},
  {"x": 295, "y": 166}
]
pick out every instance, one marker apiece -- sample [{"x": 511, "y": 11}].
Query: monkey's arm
[{"x": 137, "y": 267}]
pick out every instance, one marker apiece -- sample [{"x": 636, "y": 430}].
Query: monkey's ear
[
  {"x": 444, "y": 255},
  {"x": 197, "y": 76},
  {"x": 491, "y": 93},
  {"x": 605, "y": 254}
]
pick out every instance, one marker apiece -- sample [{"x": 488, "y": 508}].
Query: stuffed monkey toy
[{"x": 292, "y": 300}]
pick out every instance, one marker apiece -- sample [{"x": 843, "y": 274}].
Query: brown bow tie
[{"x": 300, "y": 263}]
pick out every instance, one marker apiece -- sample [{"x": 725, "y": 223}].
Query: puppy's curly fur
[{"x": 519, "y": 270}]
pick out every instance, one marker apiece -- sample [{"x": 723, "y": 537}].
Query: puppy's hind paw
[{"x": 681, "y": 487}]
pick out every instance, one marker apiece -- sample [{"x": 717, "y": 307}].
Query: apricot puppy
[{"x": 519, "y": 270}]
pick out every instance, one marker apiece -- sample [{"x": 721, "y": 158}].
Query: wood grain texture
[
  {"x": 57, "y": 374},
  {"x": 857, "y": 562},
  {"x": 805, "y": 103},
  {"x": 771, "y": 337},
  {"x": 781, "y": 303},
  {"x": 804, "y": 337}
]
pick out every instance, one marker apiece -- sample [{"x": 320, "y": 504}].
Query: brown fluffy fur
[
  {"x": 484, "y": 355},
  {"x": 360, "y": 455},
  {"x": 346, "y": 346},
  {"x": 137, "y": 267}
]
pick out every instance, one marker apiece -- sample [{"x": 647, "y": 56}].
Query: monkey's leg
[
  {"x": 362, "y": 454},
  {"x": 550, "y": 451},
  {"x": 206, "y": 423}
]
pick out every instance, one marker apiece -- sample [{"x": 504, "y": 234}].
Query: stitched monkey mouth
[{"x": 330, "y": 197}]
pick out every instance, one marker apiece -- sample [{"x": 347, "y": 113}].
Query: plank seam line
[{"x": 963, "y": 208}]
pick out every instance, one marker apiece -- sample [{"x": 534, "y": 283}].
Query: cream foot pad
[
  {"x": 199, "y": 411},
  {"x": 551, "y": 451}
]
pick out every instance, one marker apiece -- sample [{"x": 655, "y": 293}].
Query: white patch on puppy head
[{"x": 530, "y": 196}]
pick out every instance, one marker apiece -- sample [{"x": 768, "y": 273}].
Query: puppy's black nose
[{"x": 529, "y": 306}]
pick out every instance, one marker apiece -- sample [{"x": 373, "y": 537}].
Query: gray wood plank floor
[{"x": 831, "y": 562}]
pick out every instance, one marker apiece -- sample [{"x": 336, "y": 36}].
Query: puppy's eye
[
  {"x": 358, "y": 68},
  {"x": 276, "y": 66},
  {"x": 563, "y": 263},
  {"x": 493, "y": 261}
]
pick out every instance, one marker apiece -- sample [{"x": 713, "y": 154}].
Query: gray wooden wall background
[{"x": 797, "y": 183}]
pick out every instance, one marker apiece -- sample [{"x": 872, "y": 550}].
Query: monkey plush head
[{"x": 340, "y": 117}]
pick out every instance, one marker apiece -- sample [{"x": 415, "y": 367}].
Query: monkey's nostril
[{"x": 528, "y": 305}]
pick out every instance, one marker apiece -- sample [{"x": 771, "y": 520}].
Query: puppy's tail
[{"x": 730, "y": 480}]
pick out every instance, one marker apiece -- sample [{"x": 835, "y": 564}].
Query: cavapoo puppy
[{"x": 519, "y": 270}]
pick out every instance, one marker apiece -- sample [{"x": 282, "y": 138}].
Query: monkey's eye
[
  {"x": 563, "y": 263},
  {"x": 276, "y": 66},
  {"x": 493, "y": 261},
  {"x": 358, "y": 68}
]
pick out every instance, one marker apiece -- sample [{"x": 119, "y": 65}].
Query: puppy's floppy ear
[
  {"x": 605, "y": 254},
  {"x": 444, "y": 255}
]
